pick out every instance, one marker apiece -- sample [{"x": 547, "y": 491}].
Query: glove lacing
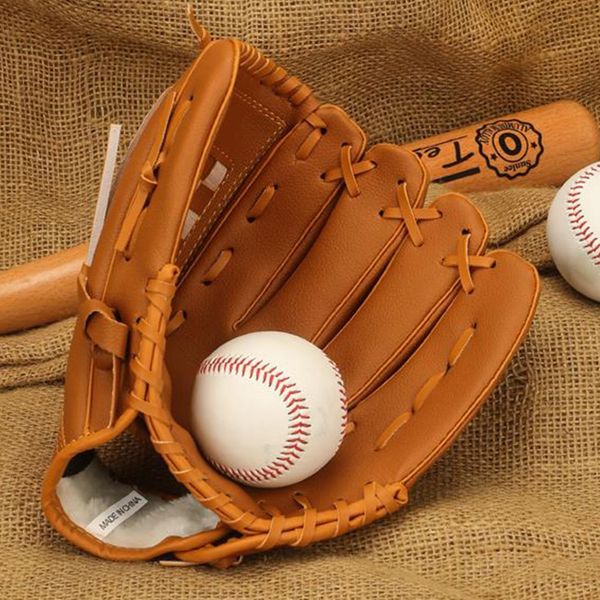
[{"x": 349, "y": 171}]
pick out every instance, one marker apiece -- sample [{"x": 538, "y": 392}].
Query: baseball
[
  {"x": 268, "y": 409},
  {"x": 574, "y": 231}
]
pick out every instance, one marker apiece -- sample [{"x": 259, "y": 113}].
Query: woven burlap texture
[{"x": 512, "y": 511}]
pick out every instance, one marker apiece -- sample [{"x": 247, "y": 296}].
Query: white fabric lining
[{"x": 89, "y": 493}]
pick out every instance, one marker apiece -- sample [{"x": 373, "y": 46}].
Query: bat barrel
[{"x": 541, "y": 146}]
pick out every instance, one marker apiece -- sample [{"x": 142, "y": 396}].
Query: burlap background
[{"x": 512, "y": 510}]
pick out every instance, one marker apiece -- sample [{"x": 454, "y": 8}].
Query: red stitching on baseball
[
  {"x": 299, "y": 422},
  {"x": 575, "y": 210}
]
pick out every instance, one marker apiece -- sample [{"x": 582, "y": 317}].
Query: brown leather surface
[
  {"x": 265, "y": 251},
  {"x": 341, "y": 252},
  {"x": 445, "y": 412}
]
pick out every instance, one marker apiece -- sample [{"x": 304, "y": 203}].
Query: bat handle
[{"x": 40, "y": 292}]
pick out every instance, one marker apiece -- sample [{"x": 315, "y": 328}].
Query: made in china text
[{"x": 120, "y": 512}]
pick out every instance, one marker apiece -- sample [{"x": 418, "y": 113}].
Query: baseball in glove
[{"x": 245, "y": 204}]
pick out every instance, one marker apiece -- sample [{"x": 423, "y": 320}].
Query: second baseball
[
  {"x": 574, "y": 231},
  {"x": 268, "y": 409}
]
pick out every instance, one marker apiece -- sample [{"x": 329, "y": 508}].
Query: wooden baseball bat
[
  {"x": 541, "y": 146},
  {"x": 42, "y": 291}
]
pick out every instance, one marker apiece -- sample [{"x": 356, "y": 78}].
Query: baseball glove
[{"x": 245, "y": 204}]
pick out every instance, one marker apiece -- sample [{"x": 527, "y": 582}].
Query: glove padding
[{"x": 246, "y": 205}]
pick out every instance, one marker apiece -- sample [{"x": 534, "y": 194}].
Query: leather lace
[
  {"x": 259, "y": 66},
  {"x": 465, "y": 262},
  {"x": 426, "y": 390},
  {"x": 410, "y": 215},
  {"x": 348, "y": 171}
]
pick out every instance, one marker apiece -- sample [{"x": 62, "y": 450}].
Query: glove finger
[
  {"x": 350, "y": 253},
  {"x": 410, "y": 296}
]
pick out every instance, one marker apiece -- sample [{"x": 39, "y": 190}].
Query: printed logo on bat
[{"x": 510, "y": 147}]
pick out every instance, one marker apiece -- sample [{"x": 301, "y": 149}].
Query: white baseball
[
  {"x": 268, "y": 409},
  {"x": 574, "y": 231}
]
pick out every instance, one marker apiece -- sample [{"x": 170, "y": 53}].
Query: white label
[
  {"x": 116, "y": 514},
  {"x": 190, "y": 221},
  {"x": 215, "y": 177},
  {"x": 110, "y": 161}
]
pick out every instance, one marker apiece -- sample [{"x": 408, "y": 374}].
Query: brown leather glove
[{"x": 245, "y": 204}]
